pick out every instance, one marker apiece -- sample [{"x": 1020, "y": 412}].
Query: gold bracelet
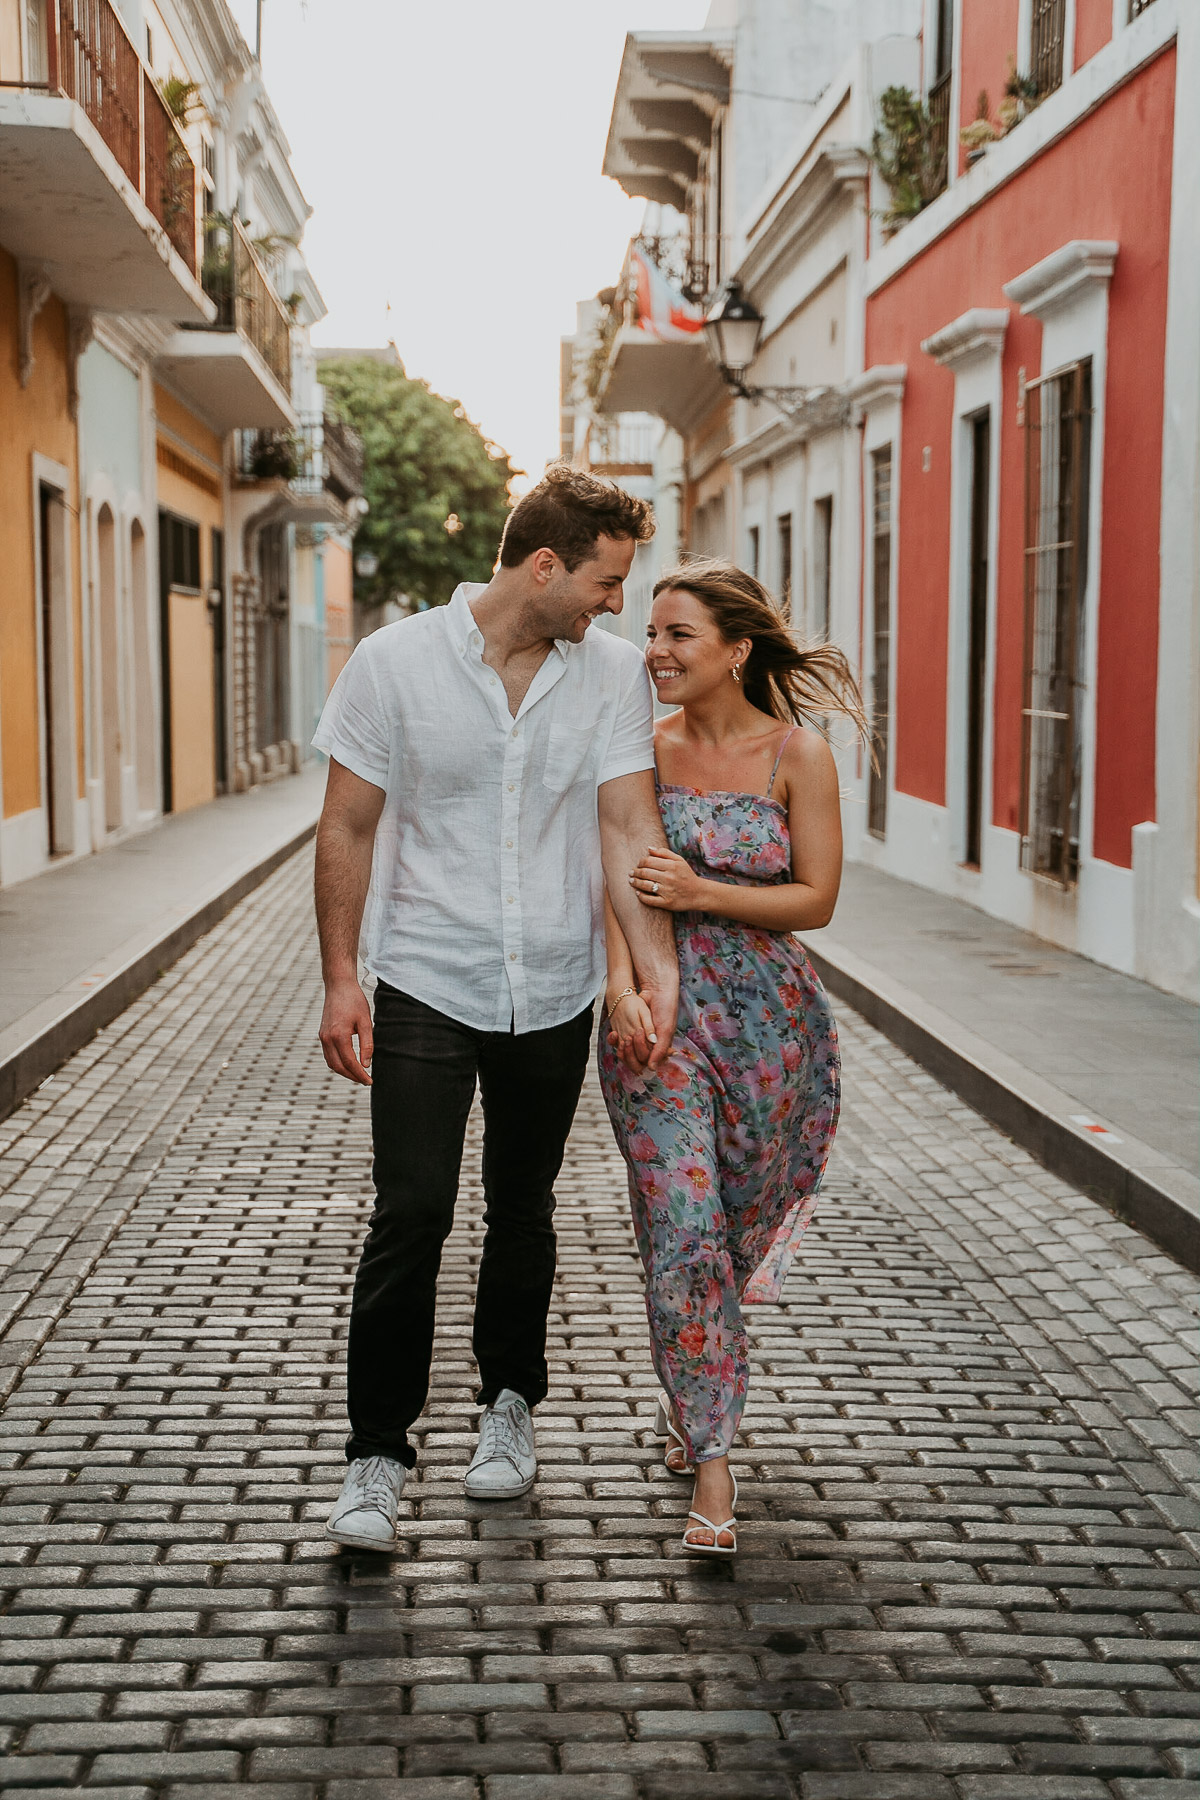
[{"x": 623, "y": 995}]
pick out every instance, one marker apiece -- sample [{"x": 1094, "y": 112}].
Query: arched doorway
[{"x": 109, "y": 724}]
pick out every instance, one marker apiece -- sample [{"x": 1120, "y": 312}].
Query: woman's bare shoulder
[{"x": 806, "y": 758}]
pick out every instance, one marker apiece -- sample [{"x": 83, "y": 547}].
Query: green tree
[{"x": 438, "y": 490}]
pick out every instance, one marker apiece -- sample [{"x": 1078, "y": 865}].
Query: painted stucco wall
[
  {"x": 109, "y": 422},
  {"x": 35, "y": 420},
  {"x": 1093, "y": 28},
  {"x": 1110, "y": 178},
  {"x": 339, "y": 607},
  {"x": 989, "y": 39},
  {"x": 189, "y": 470}
]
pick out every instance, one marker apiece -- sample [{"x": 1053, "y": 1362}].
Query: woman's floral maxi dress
[{"x": 727, "y": 1141}]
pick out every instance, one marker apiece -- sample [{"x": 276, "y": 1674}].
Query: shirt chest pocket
[{"x": 571, "y": 755}]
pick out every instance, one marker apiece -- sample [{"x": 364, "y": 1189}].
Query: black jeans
[{"x": 423, "y": 1080}]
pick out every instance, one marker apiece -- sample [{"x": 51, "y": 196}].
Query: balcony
[
  {"x": 314, "y": 472},
  {"x": 238, "y": 373},
  {"x": 97, "y": 188},
  {"x": 657, "y": 360},
  {"x": 670, "y": 88}
]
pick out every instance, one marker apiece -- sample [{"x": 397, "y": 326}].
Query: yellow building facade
[{"x": 41, "y": 631}]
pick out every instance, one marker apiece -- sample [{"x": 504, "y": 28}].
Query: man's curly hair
[{"x": 566, "y": 512}]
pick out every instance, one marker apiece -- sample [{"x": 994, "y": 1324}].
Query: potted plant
[
  {"x": 275, "y": 457},
  {"x": 976, "y": 136},
  {"x": 1021, "y": 95},
  {"x": 906, "y": 151}
]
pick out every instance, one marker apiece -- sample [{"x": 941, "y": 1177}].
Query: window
[
  {"x": 881, "y": 596},
  {"x": 1046, "y": 44},
  {"x": 36, "y": 70},
  {"x": 938, "y": 100},
  {"x": 753, "y": 553},
  {"x": 208, "y": 177},
  {"x": 179, "y": 551},
  {"x": 785, "y": 564},
  {"x": 822, "y": 542},
  {"x": 1058, "y": 411},
  {"x": 1137, "y": 7}
]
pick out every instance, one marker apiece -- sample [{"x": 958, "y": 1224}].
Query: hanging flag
[{"x": 662, "y": 311}]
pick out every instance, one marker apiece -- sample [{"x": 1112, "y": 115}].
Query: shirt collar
[{"x": 464, "y": 632}]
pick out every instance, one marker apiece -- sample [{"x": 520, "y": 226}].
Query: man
[{"x": 491, "y": 766}]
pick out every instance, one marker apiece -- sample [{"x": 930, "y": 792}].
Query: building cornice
[
  {"x": 832, "y": 173},
  {"x": 977, "y": 332},
  {"x": 1063, "y": 276}
]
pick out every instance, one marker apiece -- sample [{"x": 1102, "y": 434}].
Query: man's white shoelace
[
  {"x": 378, "y": 1486},
  {"x": 500, "y": 1436}
]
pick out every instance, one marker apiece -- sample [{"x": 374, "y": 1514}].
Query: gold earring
[{"x": 736, "y": 672}]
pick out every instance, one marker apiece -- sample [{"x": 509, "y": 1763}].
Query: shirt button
[
  {"x": 508, "y": 843},
  {"x": 510, "y": 899},
  {"x": 512, "y": 956},
  {"x": 512, "y": 787}
]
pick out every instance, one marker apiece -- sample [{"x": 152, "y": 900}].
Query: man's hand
[
  {"x": 665, "y": 880},
  {"x": 347, "y": 1016}
]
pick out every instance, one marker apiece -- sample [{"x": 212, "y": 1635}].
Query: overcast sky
[{"x": 451, "y": 153}]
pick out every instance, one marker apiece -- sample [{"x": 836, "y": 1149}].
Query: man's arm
[
  {"x": 345, "y": 845},
  {"x": 629, "y": 826}
]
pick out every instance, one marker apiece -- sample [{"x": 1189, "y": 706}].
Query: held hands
[
  {"x": 347, "y": 1016},
  {"x": 665, "y": 880},
  {"x": 641, "y": 1026}
]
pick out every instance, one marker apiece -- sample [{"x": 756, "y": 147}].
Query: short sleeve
[
  {"x": 353, "y": 727},
  {"x": 631, "y": 746}
]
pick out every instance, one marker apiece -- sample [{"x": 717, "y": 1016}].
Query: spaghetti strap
[{"x": 774, "y": 772}]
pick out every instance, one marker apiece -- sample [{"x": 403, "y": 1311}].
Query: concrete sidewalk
[
  {"x": 1091, "y": 1070},
  {"x": 78, "y": 943}
]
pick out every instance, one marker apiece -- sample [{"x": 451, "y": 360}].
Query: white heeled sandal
[
  {"x": 715, "y": 1548},
  {"x": 664, "y": 1428}
]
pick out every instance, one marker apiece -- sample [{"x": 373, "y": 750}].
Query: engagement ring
[{"x": 654, "y": 887}]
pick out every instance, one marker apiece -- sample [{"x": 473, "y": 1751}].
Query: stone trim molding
[
  {"x": 881, "y": 385},
  {"x": 977, "y": 332},
  {"x": 1064, "y": 276}
]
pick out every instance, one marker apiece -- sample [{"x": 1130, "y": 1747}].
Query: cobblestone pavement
[{"x": 967, "y": 1567}]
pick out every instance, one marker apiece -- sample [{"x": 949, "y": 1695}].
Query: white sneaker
[
  {"x": 365, "y": 1514},
  {"x": 505, "y": 1464}
]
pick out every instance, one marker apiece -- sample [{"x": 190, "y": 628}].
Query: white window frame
[{"x": 972, "y": 347}]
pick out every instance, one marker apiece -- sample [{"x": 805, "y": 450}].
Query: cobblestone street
[{"x": 969, "y": 1487}]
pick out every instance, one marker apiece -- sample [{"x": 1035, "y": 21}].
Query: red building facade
[{"x": 1025, "y": 606}]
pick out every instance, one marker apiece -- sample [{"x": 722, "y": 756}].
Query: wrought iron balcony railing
[
  {"x": 84, "y": 52},
  {"x": 234, "y": 277},
  {"x": 323, "y": 457}
]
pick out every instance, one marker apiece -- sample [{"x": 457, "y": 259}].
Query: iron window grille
[
  {"x": 1058, "y": 417},
  {"x": 881, "y": 604},
  {"x": 1046, "y": 43}
]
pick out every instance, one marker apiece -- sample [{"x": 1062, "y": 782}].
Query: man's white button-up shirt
[{"x": 487, "y": 893}]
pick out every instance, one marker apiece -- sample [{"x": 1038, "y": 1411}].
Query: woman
[{"x": 727, "y": 1142}]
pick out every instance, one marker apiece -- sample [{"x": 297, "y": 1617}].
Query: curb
[
  {"x": 1132, "y": 1180},
  {"x": 42, "y": 1041}
]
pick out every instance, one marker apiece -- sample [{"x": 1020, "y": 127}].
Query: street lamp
[{"x": 733, "y": 330}]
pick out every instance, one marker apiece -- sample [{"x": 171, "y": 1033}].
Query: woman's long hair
[{"x": 781, "y": 676}]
